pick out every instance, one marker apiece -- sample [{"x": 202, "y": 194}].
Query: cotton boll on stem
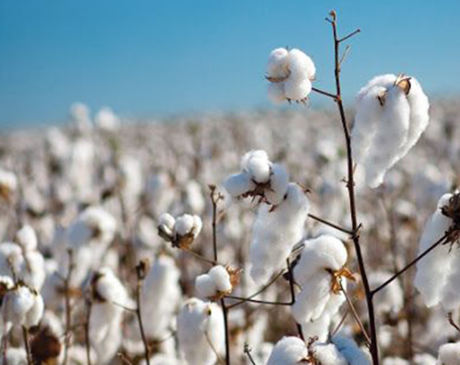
[
  {"x": 449, "y": 354},
  {"x": 277, "y": 63},
  {"x": 288, "y": 351},
  {"x": 276, "y": 231}
]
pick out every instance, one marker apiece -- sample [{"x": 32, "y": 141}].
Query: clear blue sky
[{"x": 152, "y": 58}]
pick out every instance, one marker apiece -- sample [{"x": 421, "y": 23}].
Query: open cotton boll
[
  {"x": 288, "y": 351},
  {"x": 214, "y": 284},
  {"x": 158, "y": 310},
  {"x": 295, "y": 89},
  {"x": 300, "y": 65},
  {"x": 239, "y": 184},
  {"x": 22, "y": 307},
  {"x": 277, "y": 63},
  {"x": 166, "y": 223},
  {"x": 449, "y": 354},
  {"x": 328, "y": 354},
  {"x": 205, "y": 286},
  {"x": 276, "y": 232},
  {"x": 188, "y": 224},
  {"x": 107, "y": 120},
  {"x": 35, "y": 314},
  {"x": 391, "y": 115},
  {"x": 434, "y": 269},
  {"x": 221, "y": 278},
  {"x": 14, "y": 356},
  {"x": 200, "y": 331},
  {"x": 350, "y": 350},
  {"x": 27, "y": 238},
  {"x": 259, "y": 155},
  {"x": 259, "y": 169},
  {"x": 279, "y": 181}
]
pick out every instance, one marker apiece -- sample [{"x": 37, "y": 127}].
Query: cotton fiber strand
[
  {"x": 214, "y": 283},
  {"x": 391, "y": 115},
  {"x": 449, "y": 354},
  {"x": 276, "y": 232},
  {"x": 288, "y": 351}
]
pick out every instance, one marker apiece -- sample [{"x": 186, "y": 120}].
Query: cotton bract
[
  {"x": 290, "y": 73},
  {"x": 391, "y": 115},
  {"x": 200, "y": 331}
]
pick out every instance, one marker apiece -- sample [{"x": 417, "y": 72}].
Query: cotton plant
[
  {"x": 106, "y": 120},
  {"x": 200, "y": 331},
  {"x": 449, "y": 354},
  {"x": 181, "y": 232},
  {"x": 391, "y": 115},
  {"x": 22, "y": 306},
  {"x": 321, "y": 274},
  {"x": 290, "y": 73},
  {"x": 438, "y": 274},
  {"x": 218, "y": 282},
  {"x": 8, "y": 184}
]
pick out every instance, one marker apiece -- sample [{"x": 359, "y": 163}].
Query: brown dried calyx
[
  {"x": 235, "y": 277},
  {"x": 45, "y": 347},
  {"x": 403, "y": 82},
  {"x": 452, "y": 211},
  {"x": 337, "y": 276}
]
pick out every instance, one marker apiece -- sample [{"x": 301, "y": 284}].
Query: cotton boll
[
  {"x": 107, "y": 120},
  {"x": 17, "y": 305},
  {"x": 318, "y": 328},
  {"x": 432, "y": 276},
  {"x": 166, "y": 223},
  {"x": 15, "y": 356},
  {"x": 277, "y": 63},
  {"x": 35, "y": 314},
  {"x": 328, "y": 354},
  {"x": 424, "y": 359},
  {"x": 295, "y": 89},
  {"x": 350, "y": 351},
  {"x": 221, "y": 278},
  {"x": 300, "y": 65},
  {"x": 259, "y": 168},
  {"x": 239, "y": 184},
  {"x": 253, "y": 154},
  {"x": 158, "y": 310},
  {"x": 108, "y": 287},
  {"x": 288, "y": 351},
  {"x": 449, "y": 354},
  {"x": 27, "y": 238},
  {"x": 8, "y": 184},
  {"x": 200, "y": 331},
  {"x": 279, "y": 182},
  {"x": 205, "y": 286},
  {"x": 276, "y": 232},
  {"x": 194, "y": 199},
  {"x": 184, "y": 224}
]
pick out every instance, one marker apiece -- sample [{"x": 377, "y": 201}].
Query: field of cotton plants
[{"x": 261, "y": 238}]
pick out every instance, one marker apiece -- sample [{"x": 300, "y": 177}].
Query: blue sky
[{"x": 154, "y": 58}]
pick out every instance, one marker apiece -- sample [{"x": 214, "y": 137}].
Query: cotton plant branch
[
  {"x": 350, "y": 184},
  {"x": 247, "y": 351},
  {"x": 89, "y": 304},
  {"x": 452, "y": 322},
  {"x": 355, "y": 314},
  {"x": 330, "y": 224},
  {"x": 216, "y": 196},
  {"x": 68, "y": 307},
  {"x": 25, "y": 336},
  {"x": 291, "y": 286},
  {"x": 141, "y": 271}
]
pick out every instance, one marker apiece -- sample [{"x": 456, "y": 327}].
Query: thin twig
[
  {"x": 199, "y": 257},
  {"x": 247, "y": 351},
  {"x": 452, "y": 322},
  {"x": 140, "y": 271},
  {"x": 330, "y": 224},
  {"x": 340, "y": 324},
  {"x": 349, "y": 35},
  {"x": 89, "y": 304},
  {"x": 355, "y": 315},
  {"x": 25, "y": 335},
  {"x": 412, "y": 263},
  {"x": 325, "y": 93},
  {"x": 215, "y": 197},
  {"x": 258, "y": 301},
  {"x": 291, "y": 286},
  {"x": 68, "y": 307},
  {"x": 351, "y": 192}
]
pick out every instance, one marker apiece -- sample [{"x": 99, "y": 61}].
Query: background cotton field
[{"x": 319, "y": 227}]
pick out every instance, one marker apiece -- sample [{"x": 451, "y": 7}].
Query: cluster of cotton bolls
[{"x": 82, "y": 205}]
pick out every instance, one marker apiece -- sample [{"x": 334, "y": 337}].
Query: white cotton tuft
[
  {"x": 221, "y": 278},
  {"x": 350, "y": 350},
  {"x": 318, "y": 328},
  {"x": 290, "y": 74},
  {"x": 188, "y": 224},
  {"x": 27, "y": 238},
  {"x": 276, "y": 232},
  {"x": 389, "y": 121},
  {"x": 279, "y": 182},
  {"x": 433, "y": 271},
  {"x": 200, "y": 331},
  {"x": 288, "y": 351},
  {"x": 449, "y": 354},
  {"x": 22, "y": 307},
  {"x": 259, "y": 168},
  {"x": 238, "y": 184},
  {"x": 216, "y": 282},
  {"x": 205, "y": 286},
  {"x": 107, "y": 120},
  {"x": 328, "y": 354},
  {"x": 166, "y": 223}
]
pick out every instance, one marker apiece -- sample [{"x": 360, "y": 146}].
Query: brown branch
[
  {"x": 412, "y": 263},
  {"x": 291, "y": 286},
  {"x": 349, "y": 35},
  {"x": 68, "y": 307},
  {"x": 452, "y": 322},
  {"x": 355, "y": 315},
  {"x": 330, "y": 224},
  {"x": 258, "y": 301},
  {"x": 247, "y": 351},
  {"x": 141, "y": 271},
  {"x": 325, "y": 93},
  {"x": 25, "y": 336},
  {"x": 351, "y": 192},
  {"x": 89, "y": 305},
  {"x": 340, "y": 324}
]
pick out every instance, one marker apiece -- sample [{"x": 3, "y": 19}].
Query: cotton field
[{"x": 278, "y": 237}]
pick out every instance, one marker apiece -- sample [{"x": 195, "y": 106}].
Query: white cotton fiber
[
  {"x": 288, "y": 351},
  {"x": 239, "y": 184},
  {"x": 166, "y": 223},
  {"x": 300, "y": 65},
  {"x": 259, "y": 168},
  {"x": 216, "y": 282},
  {"x": 449, "y": 354},
  {"x": 328, "y": 354},
  {"x": 318, "y": 328},
  {"x": 387, "y": 125},
  {"x": 434, "y": 269},
  {"x": 277, "y": 63},
  {"x": 276, "y": 232},
  {"x": 200, "y": 331},
  {"x": 295, "y": 89},
  {"x": 184, "y": 224},
  {"x": 27, "y": 238},
  {"x": 204, "y": 286},
  {"x": 221, "y": 278},
  {"x": 279, "y": 182}
]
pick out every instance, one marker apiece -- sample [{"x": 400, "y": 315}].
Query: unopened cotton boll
[
  {"x": 288, "y": 351},
  {"x": 200, "y": 331},
  {"x": 391, "y": 115},
  {"x": 433, "y": 274},
  {"x": 449, "y": 354},
  {"x": 275, "y": 233}
]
